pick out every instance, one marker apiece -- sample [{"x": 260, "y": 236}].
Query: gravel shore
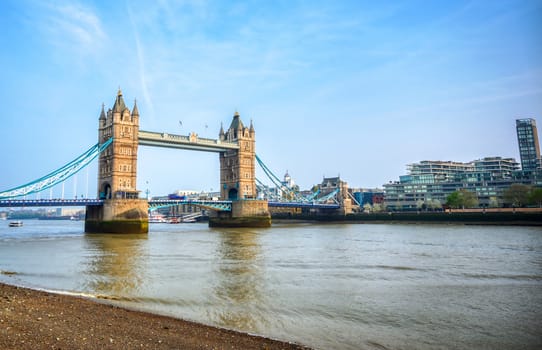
[{"x": 31, "y": 319}]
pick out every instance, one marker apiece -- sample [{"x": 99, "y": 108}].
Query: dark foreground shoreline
[{"x": 31, "y": 319}]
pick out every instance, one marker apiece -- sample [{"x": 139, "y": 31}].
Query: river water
[{"x": 328, "y": 286}]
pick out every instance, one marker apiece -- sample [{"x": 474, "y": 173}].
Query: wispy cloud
[
  {"x": 72, "y": 27},
  {"x": 141, "y": 66}
]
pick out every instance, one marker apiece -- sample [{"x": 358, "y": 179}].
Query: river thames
[{"x": 332, "y": 286}]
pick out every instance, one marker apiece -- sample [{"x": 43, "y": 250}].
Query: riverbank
[
  {"x": 31, "y": 319},
  {"x": 456, "y": 217}
]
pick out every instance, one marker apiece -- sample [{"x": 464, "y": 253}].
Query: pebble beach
[{"x": 31, "y": 319}]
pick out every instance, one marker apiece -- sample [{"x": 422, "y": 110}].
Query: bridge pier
[
  {"x": 118, "y": 216},
  {"x": 244, "y": 213}
]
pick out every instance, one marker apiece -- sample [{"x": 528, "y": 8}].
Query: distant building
[
  {"x": 288, "y": 188},
  {"x": 339, "y": 187},
  {"x": 428, "y": 183},
  {"x": 364, "y": 196},
  {"x": 332, "y": 184},
  {"x": 184, "y": 194},
  {"x": 529, "y": 148},
  {"x": 288, "y": 181},
  {"x": 284, "y": 190}
]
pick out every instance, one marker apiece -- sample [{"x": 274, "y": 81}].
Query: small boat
[{"x": 16, "y": 224}]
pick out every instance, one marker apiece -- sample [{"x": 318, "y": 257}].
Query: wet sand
[{"x": 31, "y": 319}]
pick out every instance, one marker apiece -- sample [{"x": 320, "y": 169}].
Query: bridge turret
[
  {"x": 237, "y": 167},
  {"x": 251, "y": 130},
  {"x": 221, "y": 135},
  {"x": 118, "y": 164},
  {"x": 102, "y": 116},
  {"x": 122, "y": 211},
  {"x": 119, "y": 106},
  {"x": 135, "y": 111},
  {"x": 238, "y": 180},
  {"x": 102, "y": 113}
]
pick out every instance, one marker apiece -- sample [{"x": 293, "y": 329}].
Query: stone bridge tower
[
  {"x": 118, "y": 163},
  {"x": 237, "y": 167},
  {"x": 238, "y": 180},
  {"x": 122, "y": 211}
]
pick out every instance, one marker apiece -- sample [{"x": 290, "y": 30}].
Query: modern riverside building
[
  {"x": 529, "y": 148},
  {"x": 428, "y": 183},
  {"x": 432, "y": 171}
]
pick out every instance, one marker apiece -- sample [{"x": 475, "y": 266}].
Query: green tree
[
  {"x": 462, "y": 199},
  {"x": 453, "y": 200},
  {"x": 535, "y": 197},
  {"x": 517, "y": 195}
]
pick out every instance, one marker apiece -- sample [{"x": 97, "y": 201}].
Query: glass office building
[{"x": 529, "y": 148}]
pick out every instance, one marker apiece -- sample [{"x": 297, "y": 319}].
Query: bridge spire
[
  {"x": 102, "y": 114},
  {"x": 135, "y": 111},
  {"x": 119, "y": 105},
  {"x": 236, "y": 123},
  {"x": 221, "y": 133}
]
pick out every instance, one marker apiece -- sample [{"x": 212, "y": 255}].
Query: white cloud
[
  {"x": 72, "y": 28},
  {"x": 141, "y": 67}
]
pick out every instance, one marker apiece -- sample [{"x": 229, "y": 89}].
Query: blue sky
[{"x": 356, "y": 88}]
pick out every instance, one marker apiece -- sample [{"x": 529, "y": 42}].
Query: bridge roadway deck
[
  {"x": 214, "y": 205},
  {"x": 191, "y": 142}
]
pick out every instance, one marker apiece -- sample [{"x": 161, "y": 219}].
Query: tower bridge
[
  {"x": 123, "y": 211},
  {"x": 118, "y": 208}
]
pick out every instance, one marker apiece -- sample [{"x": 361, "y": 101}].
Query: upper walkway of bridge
[{"x": 191, "y": 142}]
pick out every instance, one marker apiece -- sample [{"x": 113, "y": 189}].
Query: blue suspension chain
[{"x": 58, "y": 175}]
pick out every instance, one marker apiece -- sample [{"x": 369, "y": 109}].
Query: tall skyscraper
[{"x": 529, "y": 148}]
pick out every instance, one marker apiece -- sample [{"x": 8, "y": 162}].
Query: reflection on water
[
  {"x": 114, "y": 264},
  {"x": 239, "y": 278}
]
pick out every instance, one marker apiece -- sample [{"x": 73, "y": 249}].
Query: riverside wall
[{"x": 533, "y": 218}]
